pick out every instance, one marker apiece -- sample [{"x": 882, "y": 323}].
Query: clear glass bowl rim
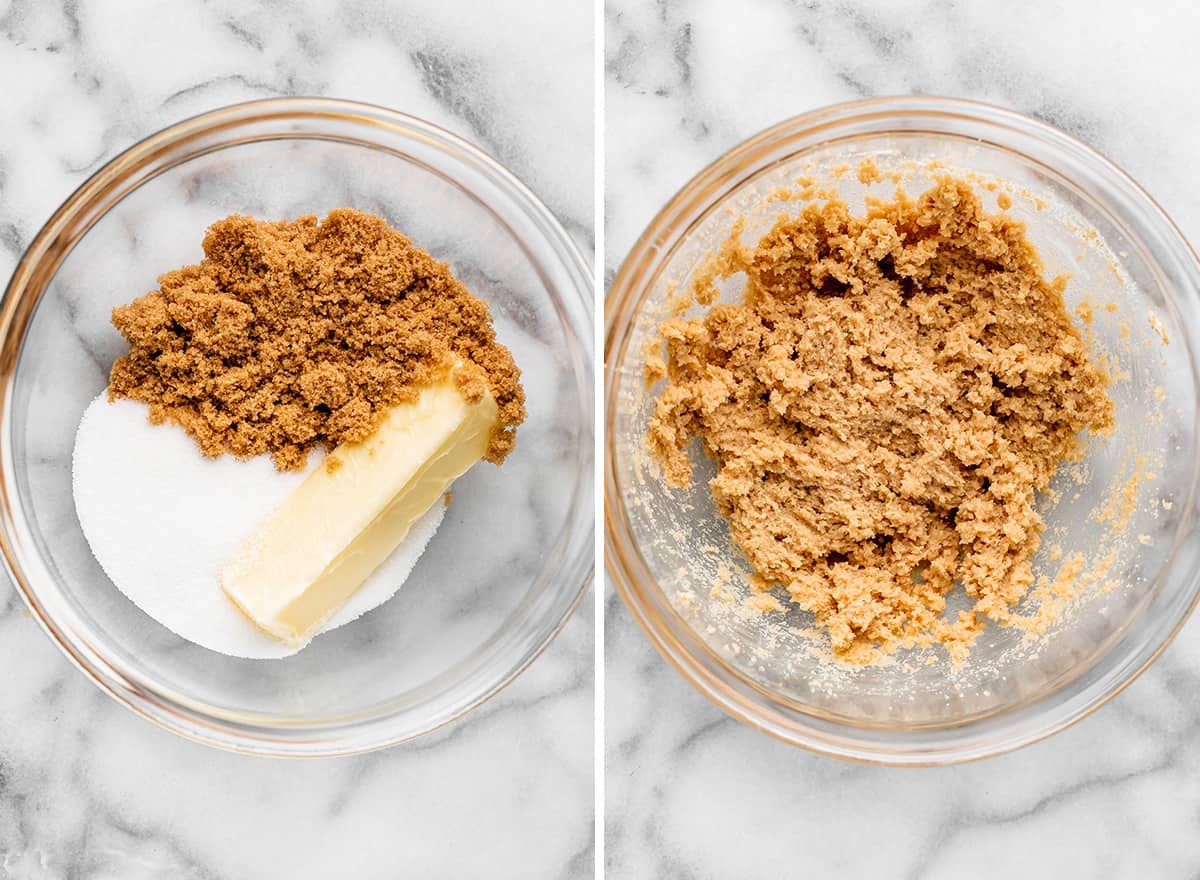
[
  {"x": 296, "y": 118},
  {"x": 729, "y": 689}
]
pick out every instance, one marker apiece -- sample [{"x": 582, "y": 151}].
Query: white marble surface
[
  {"x": 88, "y": 790},
  {"x": 693, "y": 794}
]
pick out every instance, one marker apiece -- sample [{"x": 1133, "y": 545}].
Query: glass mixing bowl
[
  {"x": 666, "y": 548},
  {"x": 513, "y": 557}
]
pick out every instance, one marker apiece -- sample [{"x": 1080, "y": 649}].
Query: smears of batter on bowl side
[{"x": 883, "y": 406}]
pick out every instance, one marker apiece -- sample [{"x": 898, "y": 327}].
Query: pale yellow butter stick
[{"x": 314, "y": 550}]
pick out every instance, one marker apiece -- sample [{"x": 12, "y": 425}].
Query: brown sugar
[
  {"x": 883, "y": 406},
  {"x": 295, "y": 334}
]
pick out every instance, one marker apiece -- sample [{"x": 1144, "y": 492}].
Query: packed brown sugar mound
[
  {"x": 296, "y": 334},
  {"x": 883, "y": 408}
]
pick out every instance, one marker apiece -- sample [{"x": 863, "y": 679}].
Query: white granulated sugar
[{"x": 162, "y": 520}]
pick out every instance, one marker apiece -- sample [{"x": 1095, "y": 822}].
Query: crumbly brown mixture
[
  {"x": 299, "y": 333},
  {"x": 883, "y": 407}
]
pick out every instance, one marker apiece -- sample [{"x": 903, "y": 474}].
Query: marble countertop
[
  {"x": 694, "y": 794},
  {"x": 88, "y": 790}
]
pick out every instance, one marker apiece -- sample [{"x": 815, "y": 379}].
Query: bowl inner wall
[
  {"x": 683, "y": 541},
  {"x": 506, "y": 526}
]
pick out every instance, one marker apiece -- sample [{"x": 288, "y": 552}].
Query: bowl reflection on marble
[
  {"x": 666, "y": 548},
  {"x": 514, "y": 554}
]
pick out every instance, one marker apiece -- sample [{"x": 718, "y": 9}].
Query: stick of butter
[{"x": 314, "y": 550}]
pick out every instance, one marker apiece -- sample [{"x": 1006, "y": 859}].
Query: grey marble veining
[
  {"x": 88, "y": 790},
  {"x": 694, "y": 794}
]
